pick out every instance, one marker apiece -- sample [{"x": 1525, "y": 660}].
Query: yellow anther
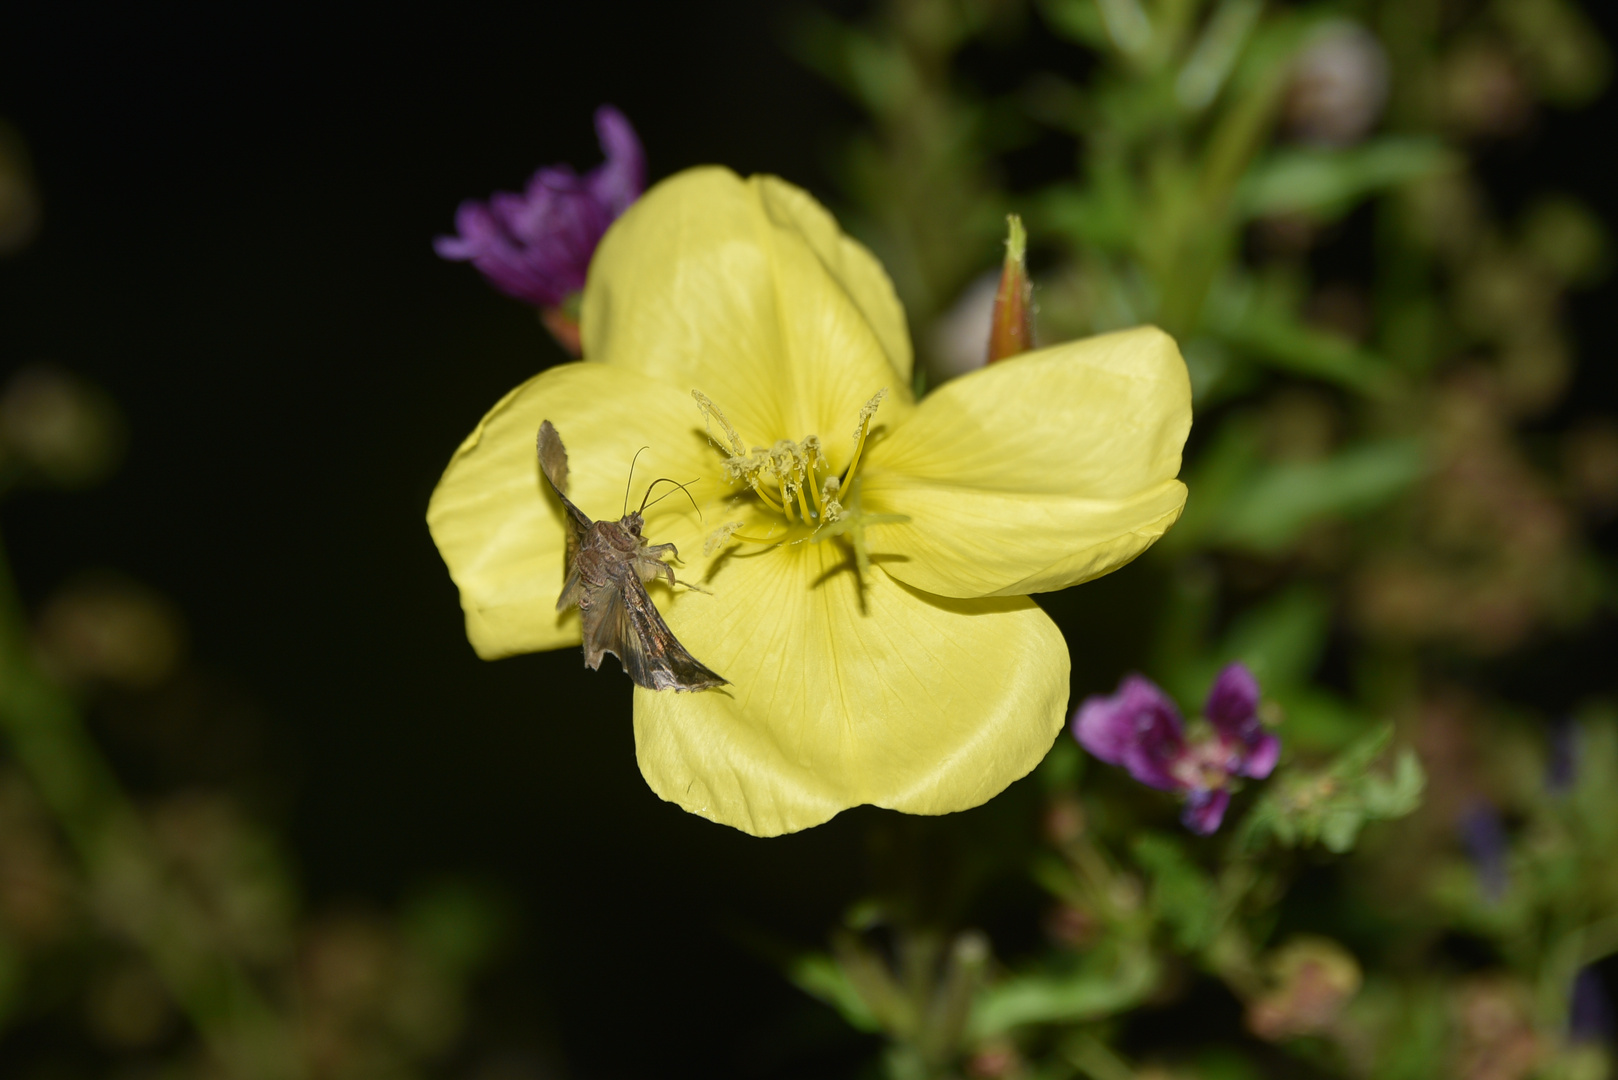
[
  {"x": 720, "y": 537},
  {"x": 710, "y": 410},
  {"x": 813, "y": 460},
  {"x": 778, "y": 475},
  {"x": 861, "y": 430}
]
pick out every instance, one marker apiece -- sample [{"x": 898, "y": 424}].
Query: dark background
[{"x": 239, "y": 204}]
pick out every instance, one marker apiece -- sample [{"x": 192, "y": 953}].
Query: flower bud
[{"x": 1012, "y": 328}]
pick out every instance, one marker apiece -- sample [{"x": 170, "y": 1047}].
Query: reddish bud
[
  {"x": 1012, "y": 331},
  {"x": 563, "y": 324}
]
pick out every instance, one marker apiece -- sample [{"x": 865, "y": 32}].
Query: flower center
[
  {"x": 1206, "y": 763},
  {"x": 796, "y": 481}
]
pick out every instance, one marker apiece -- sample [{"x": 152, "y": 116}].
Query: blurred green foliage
[{"x": 1367, "y": 528}]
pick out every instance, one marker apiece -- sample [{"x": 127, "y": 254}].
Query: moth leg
[
  {"x": 650, "y": 569},
  {"x": 649, "y": 566},
  {"x": 657, "y": 551}
]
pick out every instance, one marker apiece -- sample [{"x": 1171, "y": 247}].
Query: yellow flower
[{"x": 871, "y": 615}]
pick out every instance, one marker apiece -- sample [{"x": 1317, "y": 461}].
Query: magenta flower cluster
[
  {"x": 536, "y": 246},
  {"x": 1140, "y": 729}
]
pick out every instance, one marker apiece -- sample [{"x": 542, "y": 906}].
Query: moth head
[{"x": 633, "y": 522}]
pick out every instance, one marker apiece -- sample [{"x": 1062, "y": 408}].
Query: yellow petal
[
  {"x": 500, "y": 530},
  {"x": 746, "y": 291},
  {"x": 920, "y": 704},
  {"x": 1038, "y": 472}
]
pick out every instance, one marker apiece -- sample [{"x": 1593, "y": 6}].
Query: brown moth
[{"x": 608, "y": 565}]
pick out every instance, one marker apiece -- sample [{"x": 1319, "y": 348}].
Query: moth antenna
[
  {"x": 665, "y": 480},
  {"x": 631, "y": 481}
]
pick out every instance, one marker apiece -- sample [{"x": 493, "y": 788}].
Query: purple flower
[
  {"x": 1590, "y": 1010},
  {"x": 1140, "y": 729},
  {"x": 536, "y": 246},
  {"x": 1485, "y": 840}
]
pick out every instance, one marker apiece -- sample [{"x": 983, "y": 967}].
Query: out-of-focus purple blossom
[
  {"x": 1232, "y": 708},
  {"x": 1589, "y": 1014},
  {"x": 536, "y": 246},
  {"x": 1485, "y": 840},
  {"x": 1204, "y": 810},
  {"x": 1140, "y": 729}
]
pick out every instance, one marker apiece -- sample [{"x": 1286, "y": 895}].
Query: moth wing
[
  {"x": 553, "y": 456},
  {"x": 553, "y": 463},
  {"x": 571, "y": 590},
  {"x": 623, "y": 621}
]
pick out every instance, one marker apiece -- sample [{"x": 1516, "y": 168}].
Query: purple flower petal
[
  {"x": 1204, "y": 810},
  {"x": 1260, "y": 758},
  {"x": 1590, "y": 1017},
  {"x": 1138, "y": 727},
  {"x": 537, "y": 246},
  {"x": 1485, "y": 840},
  {"x": 619, "y": 180},
  {"x": 1232, "y": 709},
  {"x": 1233, "y": 699}
]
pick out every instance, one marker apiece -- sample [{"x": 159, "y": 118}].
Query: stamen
[
  {"x": 861, "y": 430},
  {"x": 786, "y": 499},
  {"x": 851, "y": 524},
  {"x": 710, "y": 410},
  {"x": 766, "y": 541},
  {"x": 720, "y": 537},
  {"x": 764, "y": 496},
  {"x": 778, "y": 475},
  {"x": 813, "y": 459},
  {"x": 833, "y": 509}
]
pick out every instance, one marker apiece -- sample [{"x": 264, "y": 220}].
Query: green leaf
[
  {"x": 1210, "y": 63},
  {"x": 1399, "y": 794},
  {"x": 1102, "y": 983},
  {"x": 823, "y": 978},
  {"x": 1331, "y": 805},
  {"x": 1077, "y": 20},
  {"x": 1270, "y": 513},
  {"x": 1102, "y": 216},
  {"x": 1259, "y": 317},
  {"x": 1339, "y": 827},
  {"x": 1315, "y": 721},
  {"x": 1326, "y": 183},
  {"x": 1281, "y": 341},
  {"x": 1182, "y": 895},
  {"x": 1281, "y": 641}
]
